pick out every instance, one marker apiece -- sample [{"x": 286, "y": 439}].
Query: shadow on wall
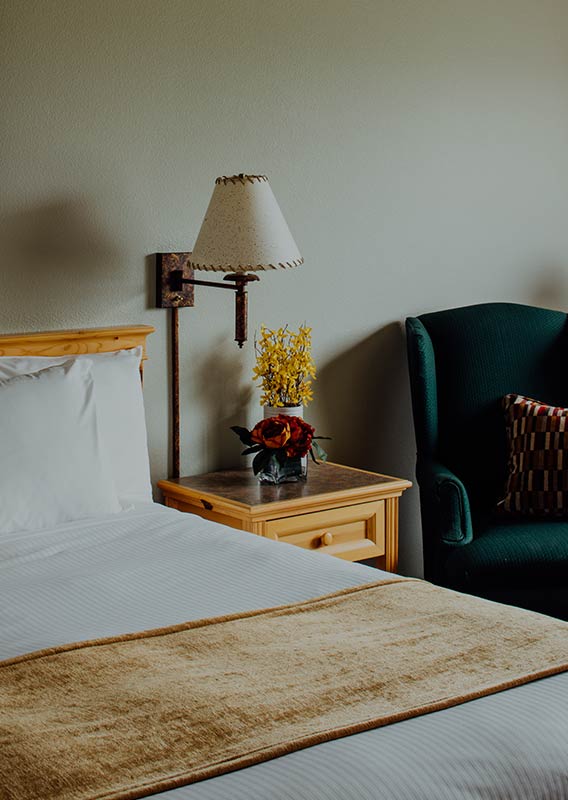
[
  {"x": 150, "y": 265},
  {"x": 54, "y": 255},
  {"x": 550, "y": 289},
  {"x": 222, "y": 392},
  {"x": 364, "y": 405}
]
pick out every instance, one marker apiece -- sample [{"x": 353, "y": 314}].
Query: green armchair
[{"x": 462, "y": 362}]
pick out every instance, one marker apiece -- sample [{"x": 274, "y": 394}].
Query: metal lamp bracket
[
  {"x": 175, "y": 289},
  {"x": 172, "y": 270}
]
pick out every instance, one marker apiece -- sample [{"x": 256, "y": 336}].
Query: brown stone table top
[{"x": 243, "y": 487}]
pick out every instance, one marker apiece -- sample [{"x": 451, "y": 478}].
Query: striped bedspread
[{"x": 153, "y": 567}]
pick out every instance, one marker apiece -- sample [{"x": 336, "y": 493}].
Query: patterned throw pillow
[{"x": 538, "y": 457}]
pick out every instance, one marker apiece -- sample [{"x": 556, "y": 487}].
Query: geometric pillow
[{"x": 537, "y": 433}]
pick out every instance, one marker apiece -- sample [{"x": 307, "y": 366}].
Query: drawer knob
[{"x": 327, "y": 538}]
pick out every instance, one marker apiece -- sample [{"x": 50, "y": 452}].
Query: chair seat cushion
[{"x": 511, "y": 554}]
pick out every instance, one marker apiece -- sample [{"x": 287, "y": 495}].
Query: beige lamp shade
[{"x": 244, "y": 229}]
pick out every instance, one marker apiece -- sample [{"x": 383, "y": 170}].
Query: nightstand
[{"x": 345, "y": 512}]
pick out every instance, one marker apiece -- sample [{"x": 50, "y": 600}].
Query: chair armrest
[{"x": 447, "y": 500}]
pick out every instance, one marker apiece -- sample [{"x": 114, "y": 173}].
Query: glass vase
[{"x": 289, "y": 471}]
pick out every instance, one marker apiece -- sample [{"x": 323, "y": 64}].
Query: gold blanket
[{"x": 133, "y": 715}]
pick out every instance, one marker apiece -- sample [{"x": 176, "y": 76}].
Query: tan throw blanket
[{"x": 126, "y": 717}]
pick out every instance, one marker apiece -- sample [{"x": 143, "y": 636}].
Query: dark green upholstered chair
[{"x": 462, "y": 362}]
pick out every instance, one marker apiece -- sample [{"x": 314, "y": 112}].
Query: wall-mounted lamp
[{"x": 243, "y": 232}]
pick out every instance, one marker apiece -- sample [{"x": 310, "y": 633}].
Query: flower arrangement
[
  {"x": 284, "y": 366},
  {"x": 279, "y": 444}
]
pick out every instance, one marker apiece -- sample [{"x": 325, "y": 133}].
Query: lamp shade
[{"x": 244, "y": 229}]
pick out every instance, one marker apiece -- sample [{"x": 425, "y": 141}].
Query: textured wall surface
[{"x": 419, "y": 152}]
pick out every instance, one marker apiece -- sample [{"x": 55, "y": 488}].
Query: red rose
[
  {"x": 273, "y": 432},
  {"x": 301, "y": 435}
]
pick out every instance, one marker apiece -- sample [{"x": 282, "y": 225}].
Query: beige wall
[{"x": 419, "y": 151}]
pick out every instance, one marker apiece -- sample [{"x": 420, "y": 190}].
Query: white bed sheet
[{"x": 153, "y": 566}]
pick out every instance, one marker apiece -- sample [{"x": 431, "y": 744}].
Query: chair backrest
[{"x": 462, "y": 362}]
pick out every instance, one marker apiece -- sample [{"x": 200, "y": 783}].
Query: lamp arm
[
  {"x": 218, "y": 284},
  {"x": 240, "y": 280},
  {"x": 174, "y": 289}
]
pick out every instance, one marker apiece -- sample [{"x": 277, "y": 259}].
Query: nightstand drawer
[{"x": 351, "y": 532}]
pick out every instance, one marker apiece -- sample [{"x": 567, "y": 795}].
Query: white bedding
[{"x": 152, "y": 566}]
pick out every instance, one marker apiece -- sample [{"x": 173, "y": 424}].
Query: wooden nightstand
[{"x": 339, "y": 510}]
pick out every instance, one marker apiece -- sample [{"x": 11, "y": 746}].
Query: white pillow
[
  {"x": 120, "y": 409},
  {"x": 52, "y": 466}
]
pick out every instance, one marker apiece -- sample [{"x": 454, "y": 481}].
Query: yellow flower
[{"x": 284, "y": 366}]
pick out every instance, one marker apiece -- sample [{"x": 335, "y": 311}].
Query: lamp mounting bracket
[{"x": 172, "y": 275}]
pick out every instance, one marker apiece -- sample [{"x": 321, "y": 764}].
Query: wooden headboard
[{"x": 76, "y": 342}]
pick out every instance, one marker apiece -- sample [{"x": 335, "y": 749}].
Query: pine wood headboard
[{"x": 76, "y": 342}]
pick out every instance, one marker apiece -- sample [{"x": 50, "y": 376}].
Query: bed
[{"x": 146, "y": 566}]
